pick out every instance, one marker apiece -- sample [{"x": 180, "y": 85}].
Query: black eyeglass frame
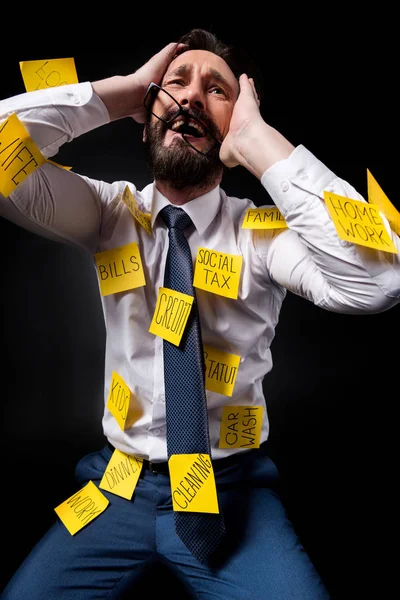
[{"x": 153, "y": 90}]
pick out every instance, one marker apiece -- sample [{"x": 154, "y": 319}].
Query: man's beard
[{"x": 179, "y": 165}]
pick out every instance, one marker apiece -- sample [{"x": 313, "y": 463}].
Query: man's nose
[{"x": 193, "y": 96}]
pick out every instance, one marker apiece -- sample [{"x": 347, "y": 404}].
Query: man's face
[{"x": 203, "y": 84}]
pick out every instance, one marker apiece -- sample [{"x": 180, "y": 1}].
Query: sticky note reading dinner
[
  {"x": 19, "y": 155},
  {"x": 218, "y": 272},
  {"x": 171, "y": 315}
]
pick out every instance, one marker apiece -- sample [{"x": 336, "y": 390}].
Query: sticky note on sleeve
[{"x": 42, "y": 74}]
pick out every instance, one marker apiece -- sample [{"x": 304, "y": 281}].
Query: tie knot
[{"x": 175, "y": 217}]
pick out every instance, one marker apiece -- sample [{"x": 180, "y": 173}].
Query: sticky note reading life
[
  {"x": 264, "y": 218},
  {"x": 193, "y": 483},
  {"x": 122, "y": 404},
  {"x": 241, "y": 426},
  {"x": 358, "y": 222},
  {"x": 377, "y": 196},
  {"x": 120, "y": 269},
  {"x": 171, "y": 315},
  {"x": 143, "y": 218},
  {"x": 217, "y": 272},
  {"x": 81, "y": 508},
  {"x": 19, "y": 155},
  {"x": 41, "y": 74},
  {"x": 121, "y": 474},
  {"x": 221, "y": 369}
]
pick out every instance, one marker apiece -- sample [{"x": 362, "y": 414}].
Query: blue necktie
[{"x": 185, "y": 395}]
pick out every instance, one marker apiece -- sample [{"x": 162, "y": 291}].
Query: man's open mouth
[{"x": 188, "y": 126}]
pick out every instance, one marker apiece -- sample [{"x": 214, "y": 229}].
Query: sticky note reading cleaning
[
  {"x": 221, "y": 370},
  {"x": 241, "y": 426},
  {"x": 264, "y": 218},
  {"x": 121, "y": 474},
  {"x": 218, "y": 272},
  {"x": 171, "y": 315},
  {"x": 81, "y": 508},
  {"x": 193, "y": 483},
  {"x": 358, "y": 222},
  {"x": 143, "y": 218},
  {"x": 122, "y": 404},
  {"x": 377, "y": 196},
  {"x": 120, "y": 269},
  {"x": 19, "y": 155},
  {"x": 41, "y": 74}
]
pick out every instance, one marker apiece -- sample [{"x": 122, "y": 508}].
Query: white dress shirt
[{"x": 308, "y": 258}]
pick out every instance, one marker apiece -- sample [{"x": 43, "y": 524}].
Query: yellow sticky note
[
  {"x": 221, "y": 370},
  {"x": 122, "y": 404},
  {"x": 264, "y": 218},
  {"x": 56, "y": 164},
  {"x": 193, "y": 483},
  {"x": 19, "y": 155},
  {"x": 377, "y": 196},
  {"x": 241, "y": 426},
  {"x": 120, "y": 269},
  {"x": 143, "y": 218},
  {"x": 121, "y": 474},
  {"x": 358, "y": 222},
  {"x": 218, "y": 272},
  {"x": 41, "y": 74},
  {"x": 171, "y": 315},
  {"x": 81, "y": 508}
]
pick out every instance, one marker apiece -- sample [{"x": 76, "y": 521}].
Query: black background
[{"x": 332, "y": 393}]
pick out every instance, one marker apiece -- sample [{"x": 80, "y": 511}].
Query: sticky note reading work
[
  {"x": 171, "y": 315},
  {"x": 218, "y": 272},
  {"x": 120, "y": 269},
  {"x": 41, "y": 74},
  {"x": 19, "y": 155},
  {"x": 358, "y": 222},
  {"x": 241, "y": 427},
  {"x": 81, "y": 508},
  {"x": 193, "y": 483},
  {"x": 377, "y": 196},
  {"x": 221, "y": 370},
  {"x": 143, "y": 218},
  {"x": 264, "y": 218},
  {"x": 121, "y": 474}
]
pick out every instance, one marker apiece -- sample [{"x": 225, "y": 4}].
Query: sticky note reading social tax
[
  {"x": 120, "y": 269},
  {"x": 218, "y": 272},
  {"x": 121, "y": 474},
  {"x": 41, "y": 74},
  {"x": 193, "y": 483},
  {"x": 81, "y": 508}
]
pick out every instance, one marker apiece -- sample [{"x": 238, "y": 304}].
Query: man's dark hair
[{"x": 237, "y": 59}]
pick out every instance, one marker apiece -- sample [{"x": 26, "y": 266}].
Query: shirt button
[
  {"x": 284, "y": 186},
  {"x": 303, "y": 175},
  {"x": 76, "y": 99},
  {"x": 156, "y": 432}
]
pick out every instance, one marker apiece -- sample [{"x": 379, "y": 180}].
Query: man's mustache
[{"x": 197, "y": 115}]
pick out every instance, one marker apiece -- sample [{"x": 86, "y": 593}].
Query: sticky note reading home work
[
  {"x": 81, "y": 508},
  {"x": 241, "y": 426},
  {"x": 121, "y": 474},
  {"x": 218, "y": 272},
  {"x": 221, "y": 370},
  {"x": 120, "y": 269},
  {"x": 143, "y": 218},
  {"x": 377, "y": 196},
  {"x": 171, "y": 315},
  {"x": 264, "y": 218},
  {"x": 41, "y": 74},
  {"x": 358, "y": 222},
  {"x": 193, "y": 483},
  {"x": 19, "y": 155},
  {"x": 122, "y": 404}
]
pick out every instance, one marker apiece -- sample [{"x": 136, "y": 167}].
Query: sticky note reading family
[
  {"x": 122, "y": 404},
  {"x": 218, "y": 272},
  {"x": 171, "y": 315},
  {"x": 193, "y": 483},
  {"x": 143, "y": 218},
  {"x": 120, "y": 269},
  {"x": 41, "y": 74},
  {"x": 221, "y": 370},
  {"x": 81, "y": 508},
  {"x": 241, "y": 426},
  {"x": 359, "y": 222},
  {"x": 121, "y": 474},
  {"x": 377, "y": 196},
  {"x": 19, "y": 155},
  {"x": 264, "y": 218}
]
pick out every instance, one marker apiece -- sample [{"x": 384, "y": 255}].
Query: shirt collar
[{"x": 201, "y": 210}]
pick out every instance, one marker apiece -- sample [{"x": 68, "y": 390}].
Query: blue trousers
[{"x": 261, "y": 556}]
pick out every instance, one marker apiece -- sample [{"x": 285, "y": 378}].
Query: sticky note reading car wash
[
  {"x": 41, "y": 74},
  {"x": 81, "y": 508},
  {"x": 218, "y": 272},
  {"x": 120, "y": 269},
  {"x": 171, "y": 315},
  {"x": 121, "y": 474},
  {"x": 264, "y": 218},
  {"x": 193, "y": 483},
  {"x": 19, "y": 155},
  {"x": 241, "y": 426}
]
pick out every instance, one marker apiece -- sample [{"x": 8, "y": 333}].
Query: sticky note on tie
[
  {"x": 42, "y": 74},
  {"x": 81, "y": 508},
  {"x": 358, "y": 222},
  {"x": 122, "y": 404},
  {"x": 221, "y": 369},
  {"x": 121, "y": 474},
  {"x": 241, "y": 426},
  {"x": 218, "y": 272},
  {"x": 120, "y": 269},
  {"x": 377, "y": 196},
  {"x": 193, "y": 483},
  {"x": 264, "y": 218},
  {"x": 171, "y": 315},
  {"x": 19, "y": 155}
]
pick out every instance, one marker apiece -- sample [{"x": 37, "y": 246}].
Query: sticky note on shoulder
[{"x": 42, "y": 74}]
